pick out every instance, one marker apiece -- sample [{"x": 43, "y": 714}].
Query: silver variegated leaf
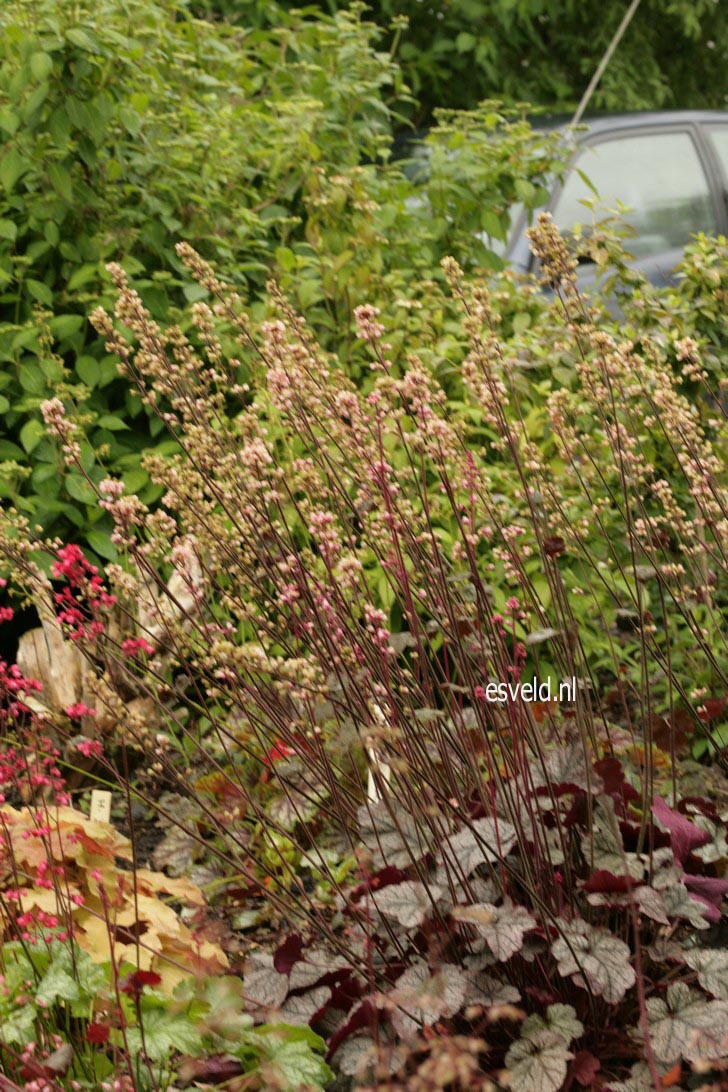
[
  {"x": 686, "y": 1027},
  {"x": 711, "y": 965},
  {"x": 483, "y": 842},
  {"x": 422, "y": 998},
  {"x": 594, "y": 958},
  {"x": 538, "y": 1063},
  {"x": 409, "y": 902},
  {"x": 502, "y": 927}
]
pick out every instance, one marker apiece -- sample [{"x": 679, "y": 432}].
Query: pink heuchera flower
[
  {"x": 132, "y": 646},
  {"x": 91, "y": 748},
  {"x": 75, "y": 712}
]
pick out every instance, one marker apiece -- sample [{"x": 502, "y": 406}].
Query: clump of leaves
[{"x": 124, "y": 1023}]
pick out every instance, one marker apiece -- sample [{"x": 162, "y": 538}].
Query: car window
[
  {"x": 719, "y": 136},
  {"x": 658, "y": 175}
]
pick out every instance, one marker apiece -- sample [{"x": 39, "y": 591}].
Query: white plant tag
[{"x": 100, "y": 805}]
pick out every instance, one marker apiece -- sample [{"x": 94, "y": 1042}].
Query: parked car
[{"x": 670, "y": 169}]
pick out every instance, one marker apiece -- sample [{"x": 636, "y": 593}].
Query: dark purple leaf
[
  {"x": 383, "y": 878},
  {"x": 605, "y": 882},
  {"x": 584, "y": 1068},
  {"x": 213, "y": 1070},
  {"x": 684, "y": 835},
  {"x": 289, "y": 953},
  {"x": 710, "y": 891},
  {"x": 611, "y": 772},
  {"x": 364, "y": 1016}
]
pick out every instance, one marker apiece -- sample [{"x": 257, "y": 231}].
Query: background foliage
[
  {"x": 127, "y": 126},
  {"x": 456, "y": 53}
]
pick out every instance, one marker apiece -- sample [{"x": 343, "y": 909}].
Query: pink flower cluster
[
  {"x": 83, "y": 599},
  {"x": 132, "y": 646},
  {"x": 54, "y": 417},
  {"x": 35, "y": 766},
  {"x": 367, "y": 327}
]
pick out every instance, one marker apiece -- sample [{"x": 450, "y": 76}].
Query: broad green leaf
[
  {"x": 78, "y": 488},
  {"x": 61, "y": 181},
  {"x": 63, "y": 326},
  {"x": 112, "y": 422},
  {"x": 31, "y": 376},
  {"x": 465, "y": 42},
  {"x": 41, "y": 65},
  {"x": 12, "y": 166},
  {"x": 18, "y": 1024},
  {"x": 31, "y": 434},
  {"x": 100, "y": 542},
  {"x": 88, "y": 370},
  {"x": 9, "y": 121},
  {"x": 82, "y": 39},
  {"x": 165, "y": 1031},
  {"x": 39, "y": 291},
  {"x": 57, "y": 984}
]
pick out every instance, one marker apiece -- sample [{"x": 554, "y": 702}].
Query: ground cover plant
[{"x": 288, "y": 665}]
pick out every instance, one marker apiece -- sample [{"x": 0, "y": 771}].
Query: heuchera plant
[
  {"x": 333, "y": 578},
  {"x": 102, "y": 985}
]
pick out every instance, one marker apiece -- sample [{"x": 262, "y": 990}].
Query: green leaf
[
  {"x": 286, "y": 258},
  {"x": 194, "y": 292},
  {"x": 57, "y": 984},
  {"x": 12, "y": 166},
  {"x": 8, "y": 230},
  {"x": 40, "y": 291},
  {"x": 19, "y": 1025},
  {"x": 78, "y": 488},
  {"x": 61, "y": 181},
  {"x": 10, "y": 452},
  {"x": 288, "y": 1056},
  {"x": 294, "y": 1065},
  {"x": 31, "y": 377},
  {"x": 100, "y": 542},
  {"x": 465, "y": 42},
  {"x": 41, "y": 65},
  {"x": 9, "y": 121},
  {"x": 88, "y": 370},
  {"x": 63, "y": 326},
  {"x": 134, "y": 480},
  {"x": 130, "y": 119},
  {"x": 112, "y": 422},
  {"x": 82, "y": 276},
  {"x": 165, "y": 1031},
  {"x": 525, "y": 191},
  {"x": 34, "y": 101},
  {"x": 31, "y": 434},
  {"x": 83, "y": 40}
]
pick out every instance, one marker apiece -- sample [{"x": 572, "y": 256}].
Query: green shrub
[
  {"x": 457, "y": 52},
  {"x": 130, "y": 125},
  {"x": 126, "y": 126}
]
